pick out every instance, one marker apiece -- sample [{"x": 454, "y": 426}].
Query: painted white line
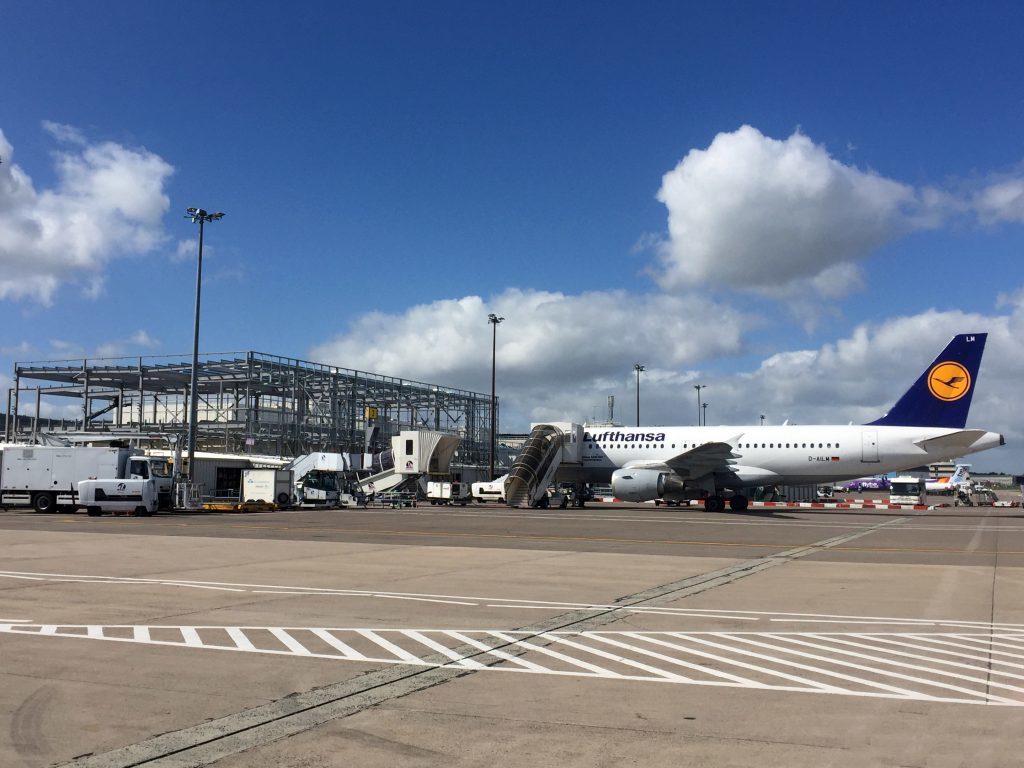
[
  {"x": 199, "y": 586},
  {"x": 944, "y": 640},
  {"x": 289, "y": 642},
  {"x": 387, "y": 645},
  {"x": 670, "y": 612},
  {"x": 242, "y": 641},
  {"x": 459, "y": 660},
  {"x": 600, "y": 636},
  {"x": 798, "y": 665},
  {"x": 528, "y": 666},
  {"x": 988, "y": 642},
  {"x": 191, "y": 637},
  {"x": 424, "y": 599},
  {"x": 593, "y": 668},
  {"x": 983, "y": 680},
  {"x": 984, "y": 669},
  {"x": 346, "y": 650},
  {"x": 662, "y": 654},
  {"x": 806, "y": 683},
  {"x": 618, "y": 659},
  {"x": 899, "y": 676}
]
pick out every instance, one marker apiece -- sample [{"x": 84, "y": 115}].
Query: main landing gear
[{"x": 716, "y": 503}]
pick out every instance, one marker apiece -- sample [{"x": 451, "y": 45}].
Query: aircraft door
[{"x": 869, "y": 445}]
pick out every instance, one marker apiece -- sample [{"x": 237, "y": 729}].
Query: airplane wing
[{"x": 696, "y": 462}]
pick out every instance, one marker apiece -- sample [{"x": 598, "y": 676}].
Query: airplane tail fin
[
  {"x": 961, "y": 475},
  {"x": 941, "y": 397}
]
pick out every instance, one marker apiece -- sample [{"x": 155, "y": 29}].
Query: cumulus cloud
[
  {"x": 557, "y": 355},
  {"x": 1001, "y": 201},
  {"x": 108, "y": 199},
  {"x": 140, "y": 341},
  {"x": 759, "y": 214}
]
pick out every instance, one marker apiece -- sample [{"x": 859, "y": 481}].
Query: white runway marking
[
  {"x": 520, "y": 603},
  {"x": 965, "y": 668}
]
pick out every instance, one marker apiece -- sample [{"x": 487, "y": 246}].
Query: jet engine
[{"x": 645, "y": 484}]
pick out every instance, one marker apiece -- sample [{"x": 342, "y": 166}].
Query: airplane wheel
[
  {"x": 714, "y": 504},
  {"x": 738, "y": 503}
]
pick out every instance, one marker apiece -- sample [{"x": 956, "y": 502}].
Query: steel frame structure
[{"x": 251, "y": 402}]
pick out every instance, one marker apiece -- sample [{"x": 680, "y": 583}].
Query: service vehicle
[
  {"x": 138, "y": 497},
  {"x": 907, "y": 490},
  {"x": 46, "y": 477},
  {"x": 444, "y": 492},
  {"x": 489, "y": 490},
  {"x": 267, "y": 485}
]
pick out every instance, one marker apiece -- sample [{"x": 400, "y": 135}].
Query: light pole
[
  {"x": 196, "y": 214},
  {"x": 698, "y": 387},
  {"x": 638, "y": 368},
  {"x": 493, "y": 319}
]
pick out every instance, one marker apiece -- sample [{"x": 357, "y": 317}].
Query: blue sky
[{"x": 795, "y": 205}]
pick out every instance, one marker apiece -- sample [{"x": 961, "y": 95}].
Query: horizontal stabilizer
[{"x": 954, "y": 444}]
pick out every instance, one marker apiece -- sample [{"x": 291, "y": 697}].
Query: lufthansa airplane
[{"x": 926, "y": 425}]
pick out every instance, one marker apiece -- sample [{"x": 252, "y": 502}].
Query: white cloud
[
  {"x": 186, "y": 250},
  {"x": 109, "y": 199},
  {"x": 768, "y": 216},
  {"x": 21, "y": 351},
  {"x": 138, "y": 341},
  {"x": 557, "y": 355},
  {"x": 1001, "y": 201}
]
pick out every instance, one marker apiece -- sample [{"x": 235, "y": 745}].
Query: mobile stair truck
[{"x": 48, "y": 477}]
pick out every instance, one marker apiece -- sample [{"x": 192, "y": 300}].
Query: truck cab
[{"x": 155, "y": 469}]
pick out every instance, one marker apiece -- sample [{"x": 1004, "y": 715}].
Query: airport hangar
[{"x": 248, "y": 403}]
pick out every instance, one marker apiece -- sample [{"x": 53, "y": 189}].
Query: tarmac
[{"x": 610, "y": 635}]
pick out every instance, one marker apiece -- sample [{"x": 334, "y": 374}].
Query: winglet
[{"x": 941, "y": 397}]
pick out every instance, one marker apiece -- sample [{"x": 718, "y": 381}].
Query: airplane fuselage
[{"x": 765, "y": 455}]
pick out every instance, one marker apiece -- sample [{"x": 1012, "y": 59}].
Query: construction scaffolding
[{"x": 248, "y": 402}]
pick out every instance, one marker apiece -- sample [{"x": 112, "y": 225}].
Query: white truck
[
  {"x": 47, "y": 477},
  {"x": 269, "y": 485},
  {"x": 444, "y": 492},
  {"x": 907, "y": 490}
]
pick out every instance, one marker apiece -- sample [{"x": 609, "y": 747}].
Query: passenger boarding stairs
[{"x": 535, "y": 468}]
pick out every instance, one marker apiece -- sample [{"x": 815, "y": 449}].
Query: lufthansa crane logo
[{"x": 949, "y": 381}]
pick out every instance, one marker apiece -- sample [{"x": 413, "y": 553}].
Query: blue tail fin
[{"x": 941, "y": 397}]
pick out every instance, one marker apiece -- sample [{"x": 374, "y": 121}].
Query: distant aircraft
[
  {"x": 675, "y": 463},
  {"x": 874, "y": 483},
  {"x": 961, "y": 476}
]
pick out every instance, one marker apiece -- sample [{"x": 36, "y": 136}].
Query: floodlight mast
[
  {"x": 638, "y": 368},
  {"x": 196, "y": 214},
  {"x": 493, "y": 319}
]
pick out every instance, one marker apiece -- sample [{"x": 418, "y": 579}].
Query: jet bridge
[
  {"x": 413, "y": 453},
  {"x": 548, "y": 447}
]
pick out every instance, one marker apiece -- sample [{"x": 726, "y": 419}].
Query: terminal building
[{"x": 248, "y": 402}]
